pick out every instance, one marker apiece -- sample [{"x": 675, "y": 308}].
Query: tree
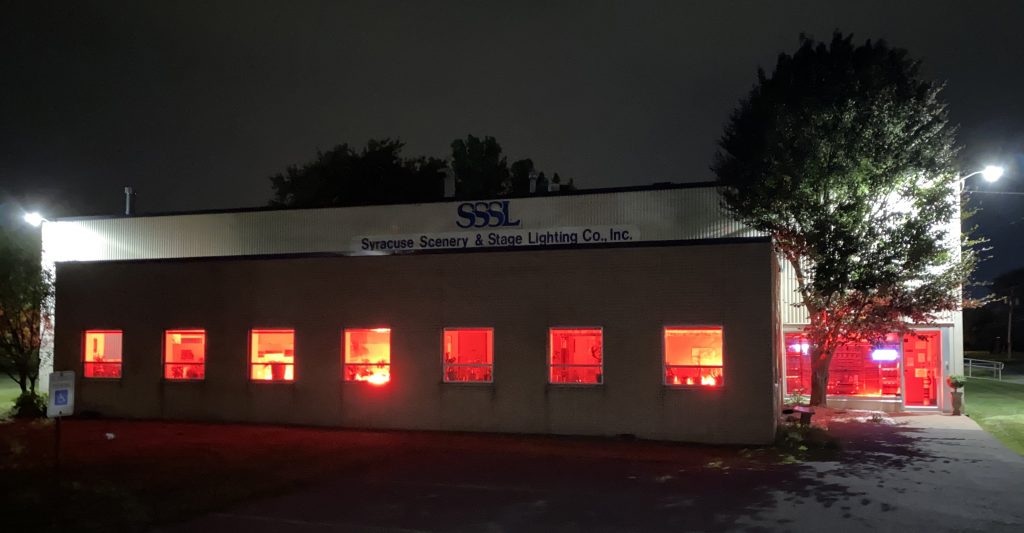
[
  {"x": 845, "y": 157},
  {"x": 379, "y": 174},
  {"x": 521, "y": 172},
  {"x": 542, "y": 184},
  {"x": 1008, "y": 288},
  {"x": 479, "y": 168},
  {"x": 376, "y": 174},
  {"x": 26, "y": 291}
]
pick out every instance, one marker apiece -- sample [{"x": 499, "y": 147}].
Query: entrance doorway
[{"x": 922, "y": 356}]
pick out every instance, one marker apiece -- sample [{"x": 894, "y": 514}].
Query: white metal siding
[{"x": 659, "y": 215}]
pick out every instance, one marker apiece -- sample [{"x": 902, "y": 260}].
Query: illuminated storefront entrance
[{"x": 906, "y": 369}]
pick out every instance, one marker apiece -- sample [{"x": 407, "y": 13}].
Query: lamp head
[
  {"x": 992, "y": 173},
  {"x": 34, "y": 218}
]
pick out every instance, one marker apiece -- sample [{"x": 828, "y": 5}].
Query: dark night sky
[{"x": 195, "y": 104}]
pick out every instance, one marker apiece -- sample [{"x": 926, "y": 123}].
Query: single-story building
[{"x": 643, "y": 311}]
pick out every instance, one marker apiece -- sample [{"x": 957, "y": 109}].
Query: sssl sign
[{"x": 485, "y": 215}]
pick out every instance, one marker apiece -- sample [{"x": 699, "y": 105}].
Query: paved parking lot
[{"x": 927, "y": 473}]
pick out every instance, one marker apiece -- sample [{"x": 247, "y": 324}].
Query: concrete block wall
[{"x": 632, "y": 293}]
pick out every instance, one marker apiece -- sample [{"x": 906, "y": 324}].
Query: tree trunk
[{"x": 819, "y": 377}]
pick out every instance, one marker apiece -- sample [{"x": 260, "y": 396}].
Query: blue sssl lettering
[
  {"x": 467, "y": 215},
  {"x": 485, "y": 215},
  {"x": 506, "y": 215}
]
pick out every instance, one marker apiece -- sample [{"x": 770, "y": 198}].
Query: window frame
[
  {"x": 548, "y": 365},
  {"x": 664, "y": 356},
  {"x": 344, "y": 356},
  {"x": 163, "y": 357},
  {"x": 120, "y": 363},
  {"x": 445, "y": 365},
  {"x": 295, "y": 351}
]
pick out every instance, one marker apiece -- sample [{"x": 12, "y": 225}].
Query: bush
[
  {"x": 30, "y": 405},
  {"x": 797, "y": 397},
  {"x": 957, "y": 381}
]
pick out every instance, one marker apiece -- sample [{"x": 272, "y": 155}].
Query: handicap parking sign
[{"x": 62, "y": 394}]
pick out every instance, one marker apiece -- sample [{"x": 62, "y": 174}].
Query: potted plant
[{"x": 957, "y": 382}]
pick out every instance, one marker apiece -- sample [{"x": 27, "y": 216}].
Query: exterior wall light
[{"x": 34, "y": 219}]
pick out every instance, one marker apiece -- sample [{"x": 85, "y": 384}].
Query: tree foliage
[
  {"x": 26, "y": 291},
  {"x": 480, "y": 169},
  {"x": 378, "y": 173},
  {"x": 1009, "y": 284},
  {"x": 846, "y": 158}
]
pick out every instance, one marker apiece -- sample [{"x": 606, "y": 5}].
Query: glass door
[{"x": 922, "y": 357}]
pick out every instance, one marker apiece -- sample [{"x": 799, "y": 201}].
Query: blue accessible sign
[{"x": 62, "y": 394}]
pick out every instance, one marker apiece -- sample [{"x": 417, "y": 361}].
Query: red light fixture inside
[
  {"x": 576, "y": 356},
  {"x": 367, "y": 355},
  {"x": 693, "y": 356},
  {"x": 468, "y": 355},
  {"x": 184, "y": 354},
  {"x": 101, "y": 357},
  {"x": 272, "y": 355}
]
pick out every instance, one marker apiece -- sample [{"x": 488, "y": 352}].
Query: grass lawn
[
  {"x": 9, "y": 391},
  {"x": 1012, "y": 365},
  {"x": 999, "y": 408}
]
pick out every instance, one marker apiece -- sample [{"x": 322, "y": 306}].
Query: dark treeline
[
  {"x": 987, "y": 328},
  {"x": 378, "y": 173}
]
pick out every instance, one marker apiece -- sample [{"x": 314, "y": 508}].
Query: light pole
[{"x": 991, "y": 174}]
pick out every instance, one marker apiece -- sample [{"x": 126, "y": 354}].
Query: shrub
[
  {"x": 957, "y": 381},
  {"x": 30, "y": 405},
  {"x": 797, "y": 397}
]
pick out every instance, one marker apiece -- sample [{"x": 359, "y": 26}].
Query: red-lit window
[
  {"x": 272, "y": 355},
  {"x": 184, "y": 354},
  {"x": 576, "y": 356},
  {"x": 798, "y": 364},
  {"x": 857, "y": 369},
  {"x": 367, "y": 355},
  {"x": 102, "y": 355},
  {"x": 469, "y": 355},
  {"x": 693, "y": 356}
]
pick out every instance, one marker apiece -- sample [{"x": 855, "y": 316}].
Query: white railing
[{"x": 995, "y": 367}]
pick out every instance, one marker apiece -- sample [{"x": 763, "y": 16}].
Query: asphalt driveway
[{"x": 926, "y": 473}]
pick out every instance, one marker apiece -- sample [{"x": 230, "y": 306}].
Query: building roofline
[{"x": 262, "y": 209}]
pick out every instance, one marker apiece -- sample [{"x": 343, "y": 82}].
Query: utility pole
[{"x": 1010, "y": 301}]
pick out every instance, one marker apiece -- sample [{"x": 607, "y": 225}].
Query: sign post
[{"x": 61, "y": 403}]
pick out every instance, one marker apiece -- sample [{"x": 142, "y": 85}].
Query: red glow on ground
[
  {"x": 102, "y": 354},
  {"x": 693, "y": 356},
  {"x": 272, "y": 355},
  {"x": 367, "y": 355},
  {"x": 184, "y": 354},
  {"x": 576, "y": 356}
]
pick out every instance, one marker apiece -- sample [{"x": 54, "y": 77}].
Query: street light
[
  {"x": 34, "y": 219},
  {"x": 991, "y": 173}
]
